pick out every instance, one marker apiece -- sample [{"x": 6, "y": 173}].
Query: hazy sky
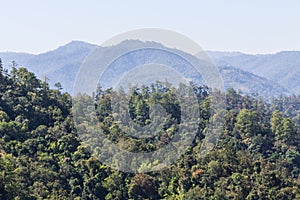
[{"x": 250, "y": 26}]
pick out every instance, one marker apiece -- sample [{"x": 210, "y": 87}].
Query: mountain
[
  {"x": 249, "y": 83},
  {"x": 59, "y": 65},
  {"x": 282, "y": 68},
  {"x": 8, "y": 57},
  {"x": 267, "y": 75}
]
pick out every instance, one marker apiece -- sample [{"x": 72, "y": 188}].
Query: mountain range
[
  {"x": 267, "y": 75},
  {"x": 282, "y": 68}
]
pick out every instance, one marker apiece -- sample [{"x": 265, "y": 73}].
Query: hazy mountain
[
  {"x": 8, "y": 57},
  {"x": 249, "y": 83},
  {"x": 282, "y": 68},
  {"x": 262, "y": 74},
  {"x": 59, "y": 65}
]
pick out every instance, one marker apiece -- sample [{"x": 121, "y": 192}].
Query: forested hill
[
  {"x": 41, "y": 157},
  {"x": 59, "y": 65},
  {"x": 282, "y": 68}
]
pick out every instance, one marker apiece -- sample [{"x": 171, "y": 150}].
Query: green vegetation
[{"x": 41, "y": 157}]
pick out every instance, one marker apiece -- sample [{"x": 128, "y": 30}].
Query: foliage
[{"x": 41, "y": 157}]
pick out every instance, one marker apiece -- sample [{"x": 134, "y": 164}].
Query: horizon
[{"x": 206, "y": 50}]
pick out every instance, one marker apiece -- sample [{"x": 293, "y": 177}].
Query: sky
[{"x": 249, "y": 26}]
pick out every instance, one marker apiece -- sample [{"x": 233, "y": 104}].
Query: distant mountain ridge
[
  {"x": 268, "y": 75},
  {"x": 59, "y": 65},
  {"x": 282, "y": 68},
  {"x": 249, "y": 83}
]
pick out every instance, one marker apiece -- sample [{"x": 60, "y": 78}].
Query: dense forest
[{"x": 257, "y": 155}]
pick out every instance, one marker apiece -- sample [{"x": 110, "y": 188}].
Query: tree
[
  {"x": 289, "y": 131},
  {"x": 276, "y": 121},
  {"x": 247, "y": 123},
  {"x": 58, "y": 86},
  {"x": 3, "y": 116},
  {"x": 1, "y": 70},
  {"x": 283, "y": 128},
  {"x": 142, "y": 187}
]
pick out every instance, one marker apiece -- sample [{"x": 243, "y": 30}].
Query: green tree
[
  {"x": 276, "y": 121},
  {"x": 58, "y": 86},
  {"x": 142, "y": 187},
  {"x": 247, "y": 123}
]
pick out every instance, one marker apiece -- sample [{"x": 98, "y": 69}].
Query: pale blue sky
[{"x": 252, "y": 26}]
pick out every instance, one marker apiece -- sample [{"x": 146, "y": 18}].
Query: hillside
[
  {"x": 257, "y": 155},
  {"x": 249, "y": 83},
  {"x": 282, "y": 68},
  {"x": 275, "y": 75},
  {"x": 59, "y": 65}
]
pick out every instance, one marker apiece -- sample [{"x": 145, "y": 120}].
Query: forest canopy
[{"x": 257, "y": 155}]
